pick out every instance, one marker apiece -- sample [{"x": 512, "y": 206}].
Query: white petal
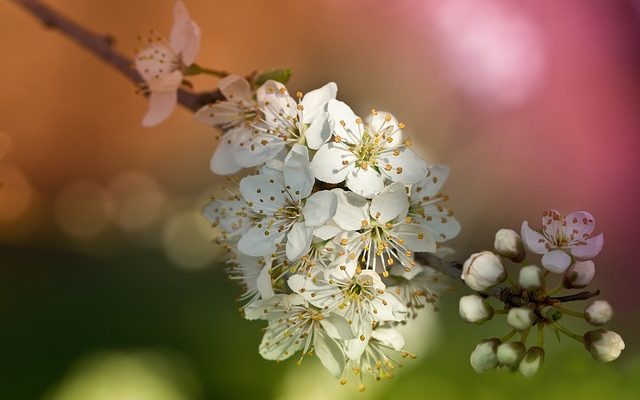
[
  {"x": 275, "y": 102},
  {"x": 327, "y": 165},
  {"x": 231, "y": 216},
  {"x": 330, "y": 353},
  {"x": 314, "y": 103},
  {"x": 337, "y": 327},
  {"x": 185, "y": 34},
  {"x": 223, "y": 161},
  {"x": 298, "y": 176},
  {"x": 439, "y": 221},
  {"x": 556, "y": 261},
  {"x": 263, "y": 193},
  {"x": 415, "y": 237},
  {"x": 343, "y": 121},
  {"x": 389, "y": 307},
  {"x": 318, "y": 293},
  {"x": 590, "y": 249},
  {"x": 298, "y": 241},
  {"x": 390, "y": 204},
  {"x": 389, "y": 336},
  {"x": 273, "y": 349},
  {"x": 351, "y": 210},
  {"x": 259, "y": 149},
  {"x": 256, "y": 242},
  {"x": 431, "y": 185},
  {"x": 402, "y": 165},
  {"x": 365, "y": 182},
  {"x": 319, "y": 208},
  {"x": 236, "y": 89},
  {"x": 264, "y": 282},
  {"x": 318, "y": 132},
  {"x": 161, "y": 105},
  {"x": 355, "y": 347},
  {"x": 388, "y": 129},
  {"x": 327, "y": 231},
  {"x": 532, "y": 239},
  {"x": 264, "y": 309}
]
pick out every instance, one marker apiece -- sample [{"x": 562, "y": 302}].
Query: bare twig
[
  {"x": 102, "y": 47},
  {"x": 576, "y": 297}
]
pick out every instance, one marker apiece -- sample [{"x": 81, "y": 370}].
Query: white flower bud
[
  {"x": 532, "y": 361},
  {"x": 579, "y": 275},
  {"x": 531, "y": 277},
  {"x": 603, "y": 345},
  {"x": 483, "y": 270},
  {"x": 520, "y": 318},
  {"x": 511, "y": 353},
  {"x": 475, "y": 309},
  {"x": 598, "y": 313},
  {"x": 509, "y": 244},
  {"x": 484, "y": 357}
]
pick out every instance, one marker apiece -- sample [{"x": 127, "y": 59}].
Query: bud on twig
[
  {"x": 475, "y": 309},
  {"x": 598, "y": 313},
  {"x": 579, "y": 275},
  {"x": 484, "y": 357},
  {"x": 509, "y": 244},
  {"x": 521, "y": 318},
  {"x": 511, "y": 353},
  {"x": 531, "y": 277},
  {"x": 483, "y": 270},
  {"x": 532, "y": 361},
  {"x": 603, "y": 345}
]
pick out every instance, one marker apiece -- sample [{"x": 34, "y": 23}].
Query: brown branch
[
  {"x": 102, "y": 47},
  {"x": 576, "y": 297}
]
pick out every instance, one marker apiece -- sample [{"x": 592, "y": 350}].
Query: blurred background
[{"x": 110, "y": 286}]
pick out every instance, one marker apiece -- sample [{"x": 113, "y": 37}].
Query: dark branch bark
[
  {"x": 576, "y": 297},
  {"x": 102, "y": 47}
]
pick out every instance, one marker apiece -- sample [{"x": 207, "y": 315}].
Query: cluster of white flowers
[
  {"x": 566, "y": 245},
  {"x": 323, "y": 235}
]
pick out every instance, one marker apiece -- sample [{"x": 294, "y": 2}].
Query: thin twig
[
  {"x": 576, "y": 297},
  {"x": 102, "y": 46}
]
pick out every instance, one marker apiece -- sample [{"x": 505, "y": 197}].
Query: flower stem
[
  {"x": 557, "y": 327},
  {"x": 540, "y": 335},
  {"x": 524, "y": 335},
  {"x": 512, "y": 282},
  {"x": 573, "y": 313},
  {"x": 555, "y": 290},
  {"x": 508, "y": 335},
  {"x": 195, "y": 69}
]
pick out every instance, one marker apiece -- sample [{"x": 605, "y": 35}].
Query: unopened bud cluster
[{"x": 529, "y": 304}]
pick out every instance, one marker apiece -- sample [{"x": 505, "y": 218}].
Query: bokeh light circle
[
  {"x": 83, "y": 209},
  {"x": 187, "y": 240},
  {"x": 138, "y": 200},
  {"x": 16, "y": 193}
]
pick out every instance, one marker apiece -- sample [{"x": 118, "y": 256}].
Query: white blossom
[
  {"x": 361, "y": 298},
  {"x": 295, "y": 326},
  {"x": 378, "y": 233},
  {"x": 426, "y": 205},
  {"x": 287, "y": 207},
  {"x": 419, "y": 287},
  {"x": 235, "y": 116},
  {"x": 365, "y": 154},
  {"x": 253, "y": 274},
  {"x": 233, "y": 217},
  {"x": 563, "y": 237},
  {"x": 283, "y": 122},
  {"x": 162, "y": 63}
]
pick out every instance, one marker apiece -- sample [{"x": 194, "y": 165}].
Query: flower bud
[
  {"x": 511, "y": 353},
  {"x": 520, "y": 318},
  {"x": 509, "y": 244},
  {"x": 603, "y": 345},
  {"x": 475, "y": 309},
  {"x": 551, "y": 313},
  {"x": 579, "y": 275},
  {"x": 483, "y": 270},
  {"x": 484, "y": 358},
  {"x": 532, "y": 361},
  {"x": 598, "y": 313},
  {"x": 531, "y": 277}
]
